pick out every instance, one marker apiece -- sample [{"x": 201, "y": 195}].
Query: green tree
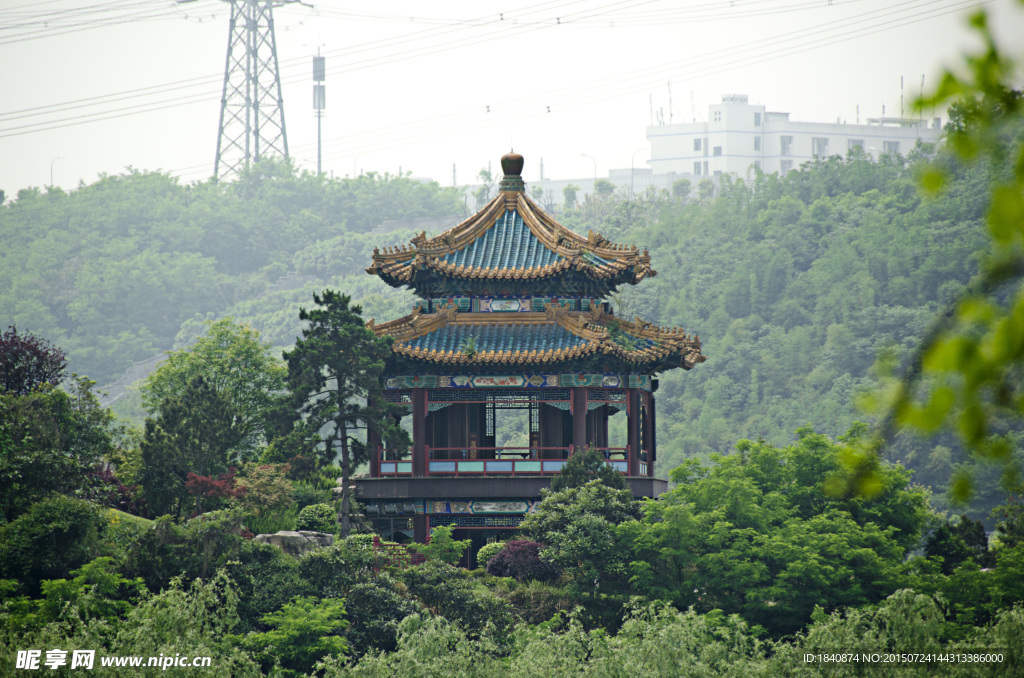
[
  {"x": 763, "y": 533},
  {"x": 55, "y": 536},
  {"x": 681, "y": 189},
  {"x": 239, "y": 366},
  {"x": 580, "y": 528},
  {"x": 603, "y": 187},
  {"x": 51, "y": 440},
  {"x": 569, "y": 194},
  {"x": 334, "y": 373},
  {"x": 585, "y": 466},
  {"x": 442, "y": 546},
  {"x": 194, "y": 433},
  {"x": 483, "y": 194},
  {"x": 303, "y": 632}
]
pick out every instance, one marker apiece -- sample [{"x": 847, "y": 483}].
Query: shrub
[
  {"x": 442, "y": 546},
  {"x": 488, "y": 551},
  {"x": 521, "y": 559},
  {"x": 332, "y": 571},
  {"x": 306, "y": 494},
  {"x": 53, "y": 537},
  {"x": 317, "y": 518},
  {"x": 375, "y": 608},
  {"x": 266, "y": 579}
]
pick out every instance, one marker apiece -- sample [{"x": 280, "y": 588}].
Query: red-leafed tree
[
  {"x": 28, "y": 361},
  {"x": 208, "y": 487}
]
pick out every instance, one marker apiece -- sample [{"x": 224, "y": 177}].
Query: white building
[{"x": 739, "y": 135}]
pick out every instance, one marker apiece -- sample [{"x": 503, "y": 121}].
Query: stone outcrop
[{"x": 296, "y": 543}]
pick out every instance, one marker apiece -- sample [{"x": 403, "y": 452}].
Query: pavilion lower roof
[
  {"x": 556, "y": 336},
  {"x": 511, "y": 241}
]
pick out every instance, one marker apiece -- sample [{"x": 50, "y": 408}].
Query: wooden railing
[{"x": 485, "y": 461}]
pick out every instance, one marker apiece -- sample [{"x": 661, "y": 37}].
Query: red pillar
[
  {"x": 373, "y": 442},
  {"x": 419, "y": 432},
  {"x": 579, "y": 417},
  {"x": 633, "y": 431},
  {"x": 653, "y": 446}
]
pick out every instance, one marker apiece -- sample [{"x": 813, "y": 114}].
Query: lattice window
[
  {"x": 502, "y": 398},
  {"x": 476, "y": 520},
  {"x": 610, "y": 395}
]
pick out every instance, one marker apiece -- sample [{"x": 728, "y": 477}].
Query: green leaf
[
  {"x": 933, "y": 180},
  {"x": 961, "y": 486},
  {"x": 950, "y": 354},
  {"x": 1006, "y": 214},
  {"x": 973, "y": 423}
]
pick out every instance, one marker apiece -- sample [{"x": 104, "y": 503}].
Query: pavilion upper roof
[
  {"x": 556, "y": 335},
  {"x": 511, "y": 246}
]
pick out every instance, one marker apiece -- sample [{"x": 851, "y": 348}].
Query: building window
[
  {"x": 705, "y": 167},
  {"x": 757, "y": 143},
  {"x": 787, "y": 145},
  {"x": 757, "y": 119},
  {"x": 855, "y": 143},
  {"x": 819, "y": 146},
  {"x": 696, "y": 144},
  {"x": 717, "y": 150},
  {"x": 757, "y": 164},
  {"x": 718, "y": 173},
  {"x": 696, "y": 168},
  {"x": 891, "y": 146},
  {"x": 786, "y": 166},
  {"x": 718, "y": 116}
]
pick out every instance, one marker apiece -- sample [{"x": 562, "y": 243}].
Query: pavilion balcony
[{"x": 495, "y": 461}]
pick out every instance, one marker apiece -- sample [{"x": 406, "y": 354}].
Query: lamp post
[
  {"x": 631, "y": 160},
  {"x": 595, "y": 168},
  {"x": 51, "y": 167}
]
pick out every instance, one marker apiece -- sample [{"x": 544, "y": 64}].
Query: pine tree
[{"x": 334, "y": 373}]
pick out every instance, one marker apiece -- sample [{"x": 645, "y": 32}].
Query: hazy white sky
[{"x": 93, "y": 86}]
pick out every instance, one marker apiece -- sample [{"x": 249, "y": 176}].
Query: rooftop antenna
[
  {"x": 251, "y": 106},
  {"x": 920, "y": 112},
  {"x": 901, "y": 97},
  {"x": 693, "y": 108},
  {"x": 670, "y": 102},
  {"x": 319, "y": 102}
]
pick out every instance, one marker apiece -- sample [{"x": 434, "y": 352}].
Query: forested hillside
[
  {"x": 112, "y": 269},
  {"x": 796, "y": 285}
]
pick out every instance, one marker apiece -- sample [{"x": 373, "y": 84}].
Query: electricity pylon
[{"x": 251, "y": 106}]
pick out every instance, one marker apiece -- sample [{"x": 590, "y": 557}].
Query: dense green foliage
[
  {"x": 50, "y": 440},
  {"x": 241, "y": 368},
  {"x": 111, "y": 271}
]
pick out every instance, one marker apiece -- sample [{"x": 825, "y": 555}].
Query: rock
[{"x": 296, "y": 543}]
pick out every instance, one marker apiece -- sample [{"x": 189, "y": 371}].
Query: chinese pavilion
[{"x": 511, "y": 315}]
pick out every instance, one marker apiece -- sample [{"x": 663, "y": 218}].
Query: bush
[
  {"x": 521, "y": 559},
  {"x": 375, "y": 608},
  {"x": 318, "y": 518},
  {"x": 306, "y": 494},
  {"x": 453, "y": 594},
  {"x": 332, "y": 571},
  {"x": 54, "y": 537},
  {"x": 266, "y": 579},
  {"x": 488, "y": 551},
  {"x": 442, "y": 546}
]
